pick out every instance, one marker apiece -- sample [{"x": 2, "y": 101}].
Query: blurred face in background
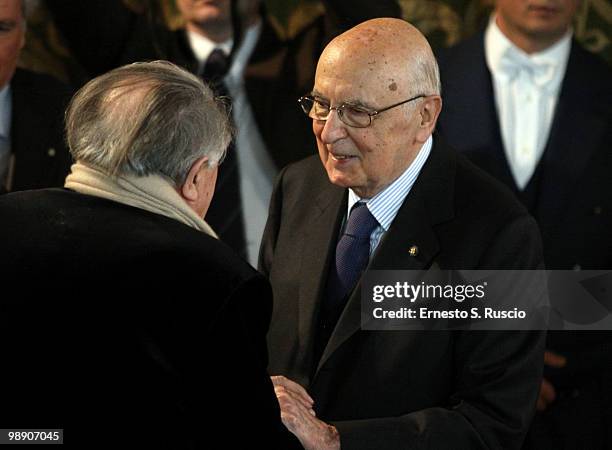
[
  {"x": 534, "y": 25},
  {"x": 213, "y": 18},
  {"x": 12, "y": 38},
  {"x": 205, "y": 12}
]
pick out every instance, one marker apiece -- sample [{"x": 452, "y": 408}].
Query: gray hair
[
  {"x": 424, "y": 77},
  {"x": 424, "y": 72},
  {"x": 147, "y": 118}
]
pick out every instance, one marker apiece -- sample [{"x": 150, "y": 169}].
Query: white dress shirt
[
  {"x": 256, "y": 167},
  {"x": 526, "y": 89}
]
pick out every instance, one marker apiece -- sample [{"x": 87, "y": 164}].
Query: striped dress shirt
[{"x": 385, "y": 205}]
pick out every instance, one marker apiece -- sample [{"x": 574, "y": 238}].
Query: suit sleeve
[
  {"x": 496, "y": 382},
  {"x": 243, "y": 329},
  {"x": 255, "y": 394}
]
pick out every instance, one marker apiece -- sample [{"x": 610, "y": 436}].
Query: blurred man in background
[
  {"x": 32, "y": 151},
  {"x": 525, "y": 102}
]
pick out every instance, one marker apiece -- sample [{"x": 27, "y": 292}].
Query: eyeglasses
[{"x": 351, "y": 115}]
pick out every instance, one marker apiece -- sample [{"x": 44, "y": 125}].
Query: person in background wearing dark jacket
[
  {"x": 32, "y": 150},
  {"x": 124, "y": 317},
  {"x": 525, "y": 102}
]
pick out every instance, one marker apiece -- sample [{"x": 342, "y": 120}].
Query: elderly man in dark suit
[
  {"x": 120, "y": 306},
  {"x": 525, "y": 102},
  {"x": 32, "y": 150},
  {"x": 384, "y": 194}
]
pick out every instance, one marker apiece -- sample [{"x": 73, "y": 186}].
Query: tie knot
[
  {"x": 361, "y": 222},
  {"x": 216, "y": 67},
  {"x": 540, "y": 70}
]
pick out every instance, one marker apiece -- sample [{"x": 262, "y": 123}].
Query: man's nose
[{"x": 334, "y": 129}]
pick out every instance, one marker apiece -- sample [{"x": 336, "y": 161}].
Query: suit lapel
[
  {"x": 574, "y": 136},
  {"x": 496, "y": 161},
  {"x": 473, "y": 123},
  {"x": 318, "y": 247},
  {"x": 29, "y": 157},
  {"x": 428, "y": 203}
]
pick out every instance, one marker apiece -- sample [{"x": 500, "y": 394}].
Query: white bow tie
[{"x": 540, "y": 70}]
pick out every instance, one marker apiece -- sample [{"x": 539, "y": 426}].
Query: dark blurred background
[{"x": 444, "y": 22}]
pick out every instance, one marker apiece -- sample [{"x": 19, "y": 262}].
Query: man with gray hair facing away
[{"x": 128, "y": 321}]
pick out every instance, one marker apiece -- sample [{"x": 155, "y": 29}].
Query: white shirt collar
[
  {"x": 497, "y": 44},
  {"x": 385, "y": 205},
  {"x": 202, "y": 47},
  {"x": 5, "y": 111}
]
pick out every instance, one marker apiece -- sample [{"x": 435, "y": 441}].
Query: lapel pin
[
  {"x": 414, "y": 250},
  {"x": 51, "y": 152}
]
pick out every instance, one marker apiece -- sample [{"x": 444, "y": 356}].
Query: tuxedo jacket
[
  {"x": 37, "y": 138},
  {"x": 571, "y": 199},
  {"x": 573, "y": 196},
  {"x": 404, "y": 389},
  {"x": 123, "y": 325}
]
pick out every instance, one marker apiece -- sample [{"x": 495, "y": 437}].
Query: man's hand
[
  {"x": 300, "y": 419},
  {"x": 283, "y": 384},
  {"x": 547, "y": 393}
]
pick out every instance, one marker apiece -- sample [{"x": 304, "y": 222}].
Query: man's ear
[
  {"x": 430, "y": 110},
  {"x": 189, "y": 189}
]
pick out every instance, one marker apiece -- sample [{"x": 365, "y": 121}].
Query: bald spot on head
[
  {"x": 379, "y": 52},
  {"x": 125, "y": 98}
]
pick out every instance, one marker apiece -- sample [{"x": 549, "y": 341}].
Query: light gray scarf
[{"x": 152, "y": 193}]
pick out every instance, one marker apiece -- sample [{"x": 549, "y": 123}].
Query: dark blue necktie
[
  {"x": 225, "y": 213},
  {"x": 351, "y": 259},
  {"x": 216, "y": 67}
]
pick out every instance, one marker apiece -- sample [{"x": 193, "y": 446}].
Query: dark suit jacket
[
  {"x": 402, "y": 389},
  {"x": 122, "y": 325},
  {"x": 574, "y": 197},
  {"x": 572, "y": 202},
  {"x": 37, "y": 138}
]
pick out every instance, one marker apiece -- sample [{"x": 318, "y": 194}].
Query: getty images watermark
[{"x": 486, "y": 300}]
